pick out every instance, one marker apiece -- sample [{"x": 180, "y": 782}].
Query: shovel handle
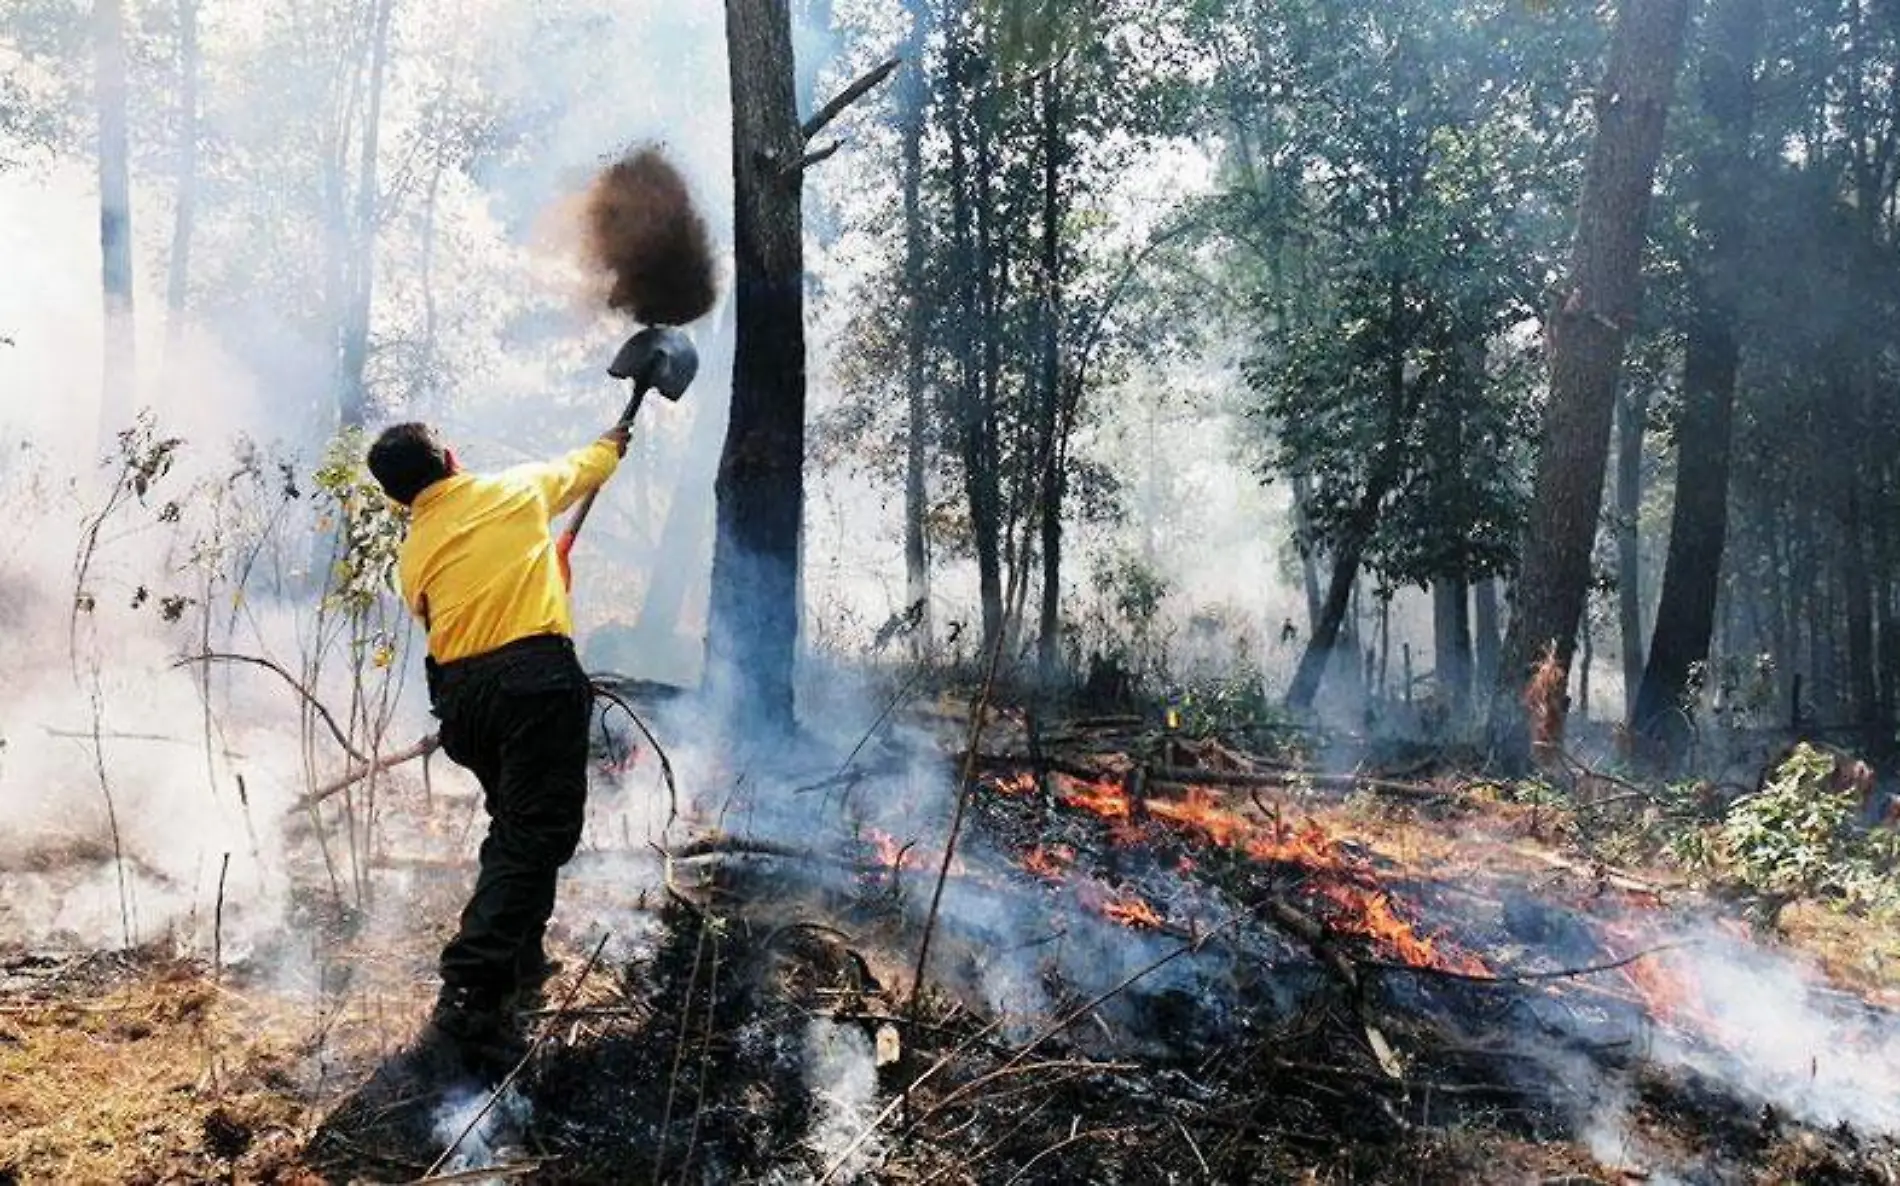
[{"x": 565, "y": 544}]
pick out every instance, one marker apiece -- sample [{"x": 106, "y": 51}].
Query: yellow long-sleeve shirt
[{"x": 479, "y": 566}]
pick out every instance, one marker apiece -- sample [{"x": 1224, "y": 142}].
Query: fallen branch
[
  {"x": 1576, "y": 973},
  {"x": 420, "y": 749},
  {"x": 306, "y": 694}
]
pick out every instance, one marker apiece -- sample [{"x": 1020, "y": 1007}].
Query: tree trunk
[
  {"x": 353, "y": 391},
  {"x": 1318, "y": 654},
  {"x": 1630, "y": 411},
  {"x": 1052, "y": 476},
  {"x": 1309, "y": 565},
  {"x": 1587, "y": 331},
  {"x": 759, "y": 496},
  {"x": 1856, "y": 583},
  {"x": 185, "y": 206},
  {"x": 1486, "y": 633},
  {"x": 120, "y": 375},
  {"x": 1451, "y": 644},
  {"x": 975, "y": 429},
  {"x": 916, "y": 327},
  {"x": 1685, "y": 614}
]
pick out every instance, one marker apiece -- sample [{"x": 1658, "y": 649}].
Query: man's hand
[{"x": 617, "y": 437}]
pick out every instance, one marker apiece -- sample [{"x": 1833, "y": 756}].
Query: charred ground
[{"x": 1157, "y": 958}]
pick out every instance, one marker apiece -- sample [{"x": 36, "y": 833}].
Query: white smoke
[
  {"x": 841, "y": 1075},
  {"x": 491, "y": 1142}
]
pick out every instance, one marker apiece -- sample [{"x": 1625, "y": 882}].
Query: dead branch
[
  {"x": 307, "y": 695},
  {"x": 966, "y": 783},
  {"x": 845, "y": 98},
  {"x": 1060, "y": 1145},
  {"x": 1608, "y": 875},
  {"x": 815, "y": 156},
  {"x": 420, "y": 749},
  {"x": 1576, "y": 973},
  {"x": 666, "y": 763}
]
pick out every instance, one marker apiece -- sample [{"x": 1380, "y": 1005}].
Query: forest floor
[{"x": 1154, "y": 960}]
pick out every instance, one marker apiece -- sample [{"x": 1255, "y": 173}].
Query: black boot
[{"x": 477, "y": 1025}]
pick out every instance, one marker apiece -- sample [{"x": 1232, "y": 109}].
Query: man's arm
[{"x": 564, "y": 481}]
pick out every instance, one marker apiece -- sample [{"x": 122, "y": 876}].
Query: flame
[
  {"x": 1372, "y": 915},
  {"x": 1344, "y": 881},
  {"x": 1106, "y": 798},
  {"x": 1667, "y": 991},
  {"x": 1021, "y": 783},
  {"x": 1132, "y": 912},
  {"x": 891, "y": 854},
  {"x": 1051, "y": 862}
]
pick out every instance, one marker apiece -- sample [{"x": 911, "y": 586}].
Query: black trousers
[{"x": 517, "y": 718}]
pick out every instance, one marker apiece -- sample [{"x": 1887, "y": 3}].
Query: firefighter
[{"x": 479, "y": 569}]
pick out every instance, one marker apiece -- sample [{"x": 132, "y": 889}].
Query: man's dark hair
[{"x": 406, "y": 459}]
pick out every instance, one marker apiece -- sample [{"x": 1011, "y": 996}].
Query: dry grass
[{"x": 160, "y": 1076}]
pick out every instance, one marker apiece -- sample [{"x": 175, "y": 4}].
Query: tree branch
[
  {"x": 309, "y": 697},
  {"x": 845, "y": 98},
  {"x": 814, "y": 157},
  {"x": 420, "y": 749}
]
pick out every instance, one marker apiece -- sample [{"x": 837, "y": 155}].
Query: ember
[
  {"x": 1132, "y": 912},
  {"x": 1050, "y": 861}
]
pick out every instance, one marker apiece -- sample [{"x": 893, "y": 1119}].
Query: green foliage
[
  {"x": 1236, "y": 706},
  {"x": 1798, "y": 838},
  {"x": 368, "y": 527}
]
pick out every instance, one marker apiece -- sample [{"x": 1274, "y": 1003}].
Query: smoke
[
  {"x": 490, "y": 1142},
  {"x": 841, "y": 1075},
  {"x": 1779, "y": 1035}
]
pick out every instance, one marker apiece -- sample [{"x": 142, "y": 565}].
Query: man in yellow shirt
[{"x": 479, "y": 568}]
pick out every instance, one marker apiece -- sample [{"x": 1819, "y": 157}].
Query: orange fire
[
  {"x": 1021, "y": 783},
  {"x": 1106, "y": 799},
  {"x": 891, "y": 854},
  {"x": 1347, "y": 883},
  {"x": 1051, "y": 862},
  {"x": 1132, "y": 912},
  {"x": 1667, "y": 992}
]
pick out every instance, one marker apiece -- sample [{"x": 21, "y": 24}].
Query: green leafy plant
[{"x": 1798, "y": 838}]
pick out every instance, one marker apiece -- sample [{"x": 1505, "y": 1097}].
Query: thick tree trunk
[
  {"x": 916, "y": 330},
  {"x": 120, "y": 374},
  {"x": 1685, "y": 615},
  {"x": 1630, "y": 412},
  {"x": 1587, "y": 331},
  {"x": 353, "y": 393},
  {"x": 185, "y": 206},
  {"x": 1451, "y": 644},
  {"x": 1486, "y": 634},
  {"x": 1052, "y": 477},
  {"x": 759, "y": 495}
]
